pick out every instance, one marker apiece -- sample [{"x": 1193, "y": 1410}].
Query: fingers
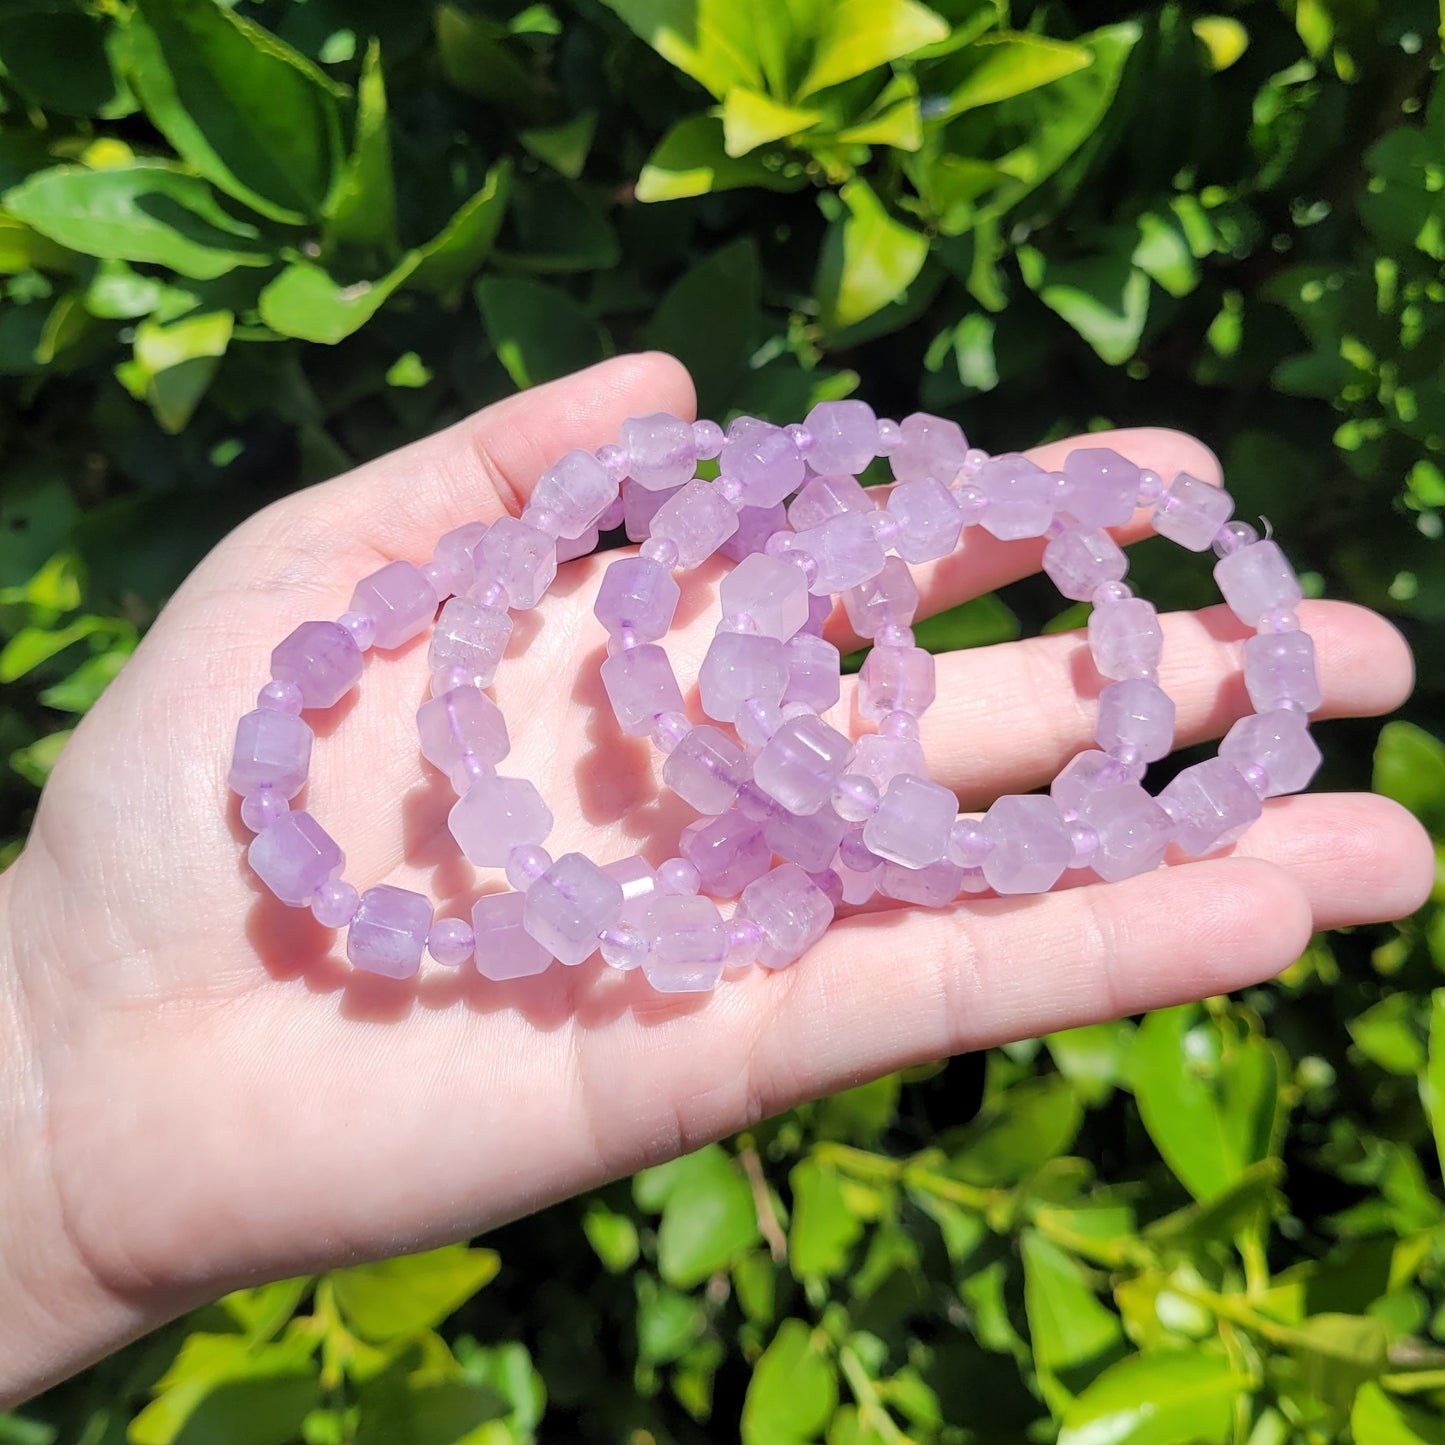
[{"x": 1009, "y": 717}]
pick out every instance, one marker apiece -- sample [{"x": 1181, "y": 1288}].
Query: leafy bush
[{"x": 244, "y": 248}]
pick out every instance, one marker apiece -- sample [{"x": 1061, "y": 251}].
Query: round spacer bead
[
  {"x": 1107, "y": 592},
  {"x": 440, "y": 578},
  {"x": 802, "y": 438},
  {"x": 677, "y": 875},
  {"x": 278, "y": 696},
  {"x": 890, "y": 436},
  {"x": 830, "y": 884},
  {"x": 467, "y": 769},
  {"x": 900, "y": 725},
  {"x": 668, "y": 730},
  {"x": 708, "y": 439},
  {"x": 972, "y": 503},
  {"x": 1257, "y": 779},
  {"x": 1232, "y": 536},
  {"x": 968, "y": 842},
  {"x": 361, "y": 626},
  {"x": 1278, "y": 619},
  {"x": 526, "y": 863},
  {"x": 855, "y": 797},
  {"x": 444, "y": 679},
  {"x": 261, "y": 808},
  {"x": 451, "y": 941},
  {"x": 334, "y": 904},
  {"x": 973, "y": 461},
  {"x": 885, "y": 527},
  {"x": 743, "y": 937},
  {"x": 615, "y": 459},
  {"x": 1151, "y": 487},
  {"x": 492, "y": 595},
  {"x": 1086, "y": 843},
  {"x": 730, "y": 490},
  {"x": 894, "y": 634},
  {"x": 660, "y": 549},
  {"x": 623, "y": 640}
]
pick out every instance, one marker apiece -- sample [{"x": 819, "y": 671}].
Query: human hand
[{"x": 201, "y": 1093}]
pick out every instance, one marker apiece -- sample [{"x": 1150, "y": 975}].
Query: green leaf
[
  {"x": 450, "y": 259},
  {"x": 1104, "y": 298},
  {"x": 692, "y": 160},
  {"x": 1387, "y": 1034},
  {"x": 1022, "y": 1130},
  {"x": 612, "y": 1236},
  {"x": 539, "y": 331},
  {"x": 423, "y": 1407},
  {"x": 714, "y": 41},
  {"x": 1242, "y": 1205},
  {"x": 859, "y": 35},
  {"x": 55, "y": 56},
  {"x": 561, "y": 226},
  {"x": 1068, "y": 1327},
  {"x": 22, "y": 248},
  {"x": 999, "y": 67},
  {"x": 1223, "y": 37},
  {"x": 668, "y": 1321},
  {"x": 249, "y": 113},
  {"x": 306, "y": 302},
  {"x": 1173, "y": 1397},
  {"x": 564, "y": 147},
  {"x": 361, "y": 210},
  {"x": 1410, "y": 768},
  {"x": 1337, "y": 1354},
  {"x": 1093, "y": 1057},
  {"x": 1376, "y": 1419},
  {"x": 980, "y": 623},
  {"x": 1164, "y": 254},
  {"x": 708, "y": 1220},
  {"x": 32, "y": 646},
  {"x": 147, "y": 211},
  {"x": 34, "y": 761},
  {"x": 174, "y": 364},
  {"x": 408, "y": 371},
  {"x": 869, "y": 259},
  {"x": 823, "y": 1228},
  {"x": 402, "y": 1297},
  {"x": 751, "y": 119},
  {"x": 476, "y": 59},
  {"x": 1434, "y": 1077},
  {"x": 794, "y": 1388}
]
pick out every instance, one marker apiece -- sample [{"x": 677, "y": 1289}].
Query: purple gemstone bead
[
  {"x": 472, "y": 636},
  {"x": 1255, "y": 580},
  {"x": 968, "y": 842},
  {"x": 640, "y": 506},
  {"x": 518, "y": 558},
  {"x": 640, "y": 684},
  {"x": 451, "y": 941},
  {"x": 708, "y": 437},
  {"x": 322, "y": 659},
  {"x": 261, "y": 808},
  {"x": 928, "y": 518},
  {"x": 464, "y": 720},
  {"x": 929, "y": 446},
  {"x": 639, "y": 594},
  {"x": 1032, "y": 844},
  {"x": 455, "y": 554},
  {"x": 895, "y": 679},
  {"x": 739, "y": 667},
  {"x": 706, "y": 769},
  {"x": 401, "y": 600},
  {"x": 845, "y": 436},
  {"x": 1211, "y": 805},
  {"x": 635, "y": 876},
  {"x": 859, "y": 884},
  {"x": 687, "y": 942},
  {"x": 1083, "y": 777},
  {"x": 855, "y": 797},
  {"x": 1102, "y": 487},
  {"x": 504, "y": 949},
  {"x": 770, "y": 592},
  {"x": 1280, "y": 668},
  {"x": 526, "y": 863},
  {"x": 389, "y": 932},
  {"x": 663, "y": 450},
  {"x": 1019, "y": 497},
  {"x": 728, "y": 853},
  {"x": 755, "y": 526},
  {"x": 697, "y": 520},
  {"x": 801, "y": 762},
  {"x": 882, "y": 758},
  {"x": 496, "y": 815},
  {"x": 930, "y": 887},
  {"x": 1125, "y": 638},
  {"x": 912, "y": 823},
  {"x": 677, "y": 875},
  {"x": 1277, "y": 741},
  {"x": 790, "y": 909},
  {"x": 570, "y": 548},
  {"x": 1136, "y": 714},
  {"x": 846, "y": 549},
  {"x": 1232, "y": 536},
  {"x": 823, "y": 498},
  {"x": 273, "y": 749},
  {"x": 1191, "y": 512},
  {"x": 809, "y": 841},
  {"x": 281, "y": 697},
  {"x": 1081, "y": 559},
  {"x": 577, "y": 491},
  {"x": 1132, "y": 829},
  {"x": 569, "y": 905},
  {"x": 334, "y": 904},
  {"x": 814, "y": 673},
  {"x": 764, "y": 459},
  {"x": 294, "y": 857},
  {"x": 888, "y": 600}
]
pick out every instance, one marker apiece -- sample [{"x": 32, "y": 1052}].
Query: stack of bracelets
[{"x": 795, "y": 817}]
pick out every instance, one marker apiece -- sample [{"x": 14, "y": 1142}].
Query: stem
[
  {"x": 872, "y": 1413},
  {"x": 769, "y": 1224}
]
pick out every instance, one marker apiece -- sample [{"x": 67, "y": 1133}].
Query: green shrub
[{"x": 243, "y": 248}]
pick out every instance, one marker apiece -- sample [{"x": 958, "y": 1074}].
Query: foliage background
[{"x": 244, "y": 248}]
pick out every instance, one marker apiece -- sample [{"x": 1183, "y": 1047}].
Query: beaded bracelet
[{"x": 795, "y": 817}]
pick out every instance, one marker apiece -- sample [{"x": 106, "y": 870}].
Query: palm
[{"x": 329, "y": 1114}]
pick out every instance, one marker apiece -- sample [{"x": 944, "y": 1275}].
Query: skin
[{"x": 198, "y": 1093}]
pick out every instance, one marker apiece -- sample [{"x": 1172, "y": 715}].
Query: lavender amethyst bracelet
[{"x": 847, "y": 820}]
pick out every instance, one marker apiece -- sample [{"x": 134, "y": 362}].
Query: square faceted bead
[
  {"x": 1082, "y": 777},
  {"x": 845, "y": 436},
  {"x": 640, "y": 506},
  {"x": 294, "y": 856},
  {"x": 1136, "y": 714},
  {"x": 890, "y": 598},
  {"x": 1279, "y": 667},
  {"x": 1019, "y": 497},
  {"x": 400, "y": 600},
  {"x": 912, "y": 822},
  {"x": 1280, "y": 743},
  {"x": 322, "y": 659},
  {"x": 895, "y": 679},
  {"x": 518, "y": 558},
  {"x": 640, "y": 684},
  {"x": 698, "y": 520},
  {"x": 728, "y": 853},
  {"x": 273, "y": 749},
  {"x": 463, "y": 720},
  {"x": 660, "y": 449},
  {"x": 569, "y": 905},
  {"x": 792, "y": 912},
  {"x": 932, "y": 446},
  {"x": 800, "y": 763},
  {"x": 496, "y": 815},
  {"x": 1191, "y": 512},
  {"x": 1255, "y": 580},
  {"x": 1101, "y": 487},
  {"x": 636, "y": 877},
  {"x": 809, "y": 841},
  {"x": 846, "y": 549},
  {"x": 456, "y": 554},
  {"x": 883, "y": 758},
  {"x": 687, "y": 942},
  {"x": 504, "y": 948},
  {"x": 1211, "y": 805},
  {"x": 815, "y": 670},
  {"x": 739, "y": 666},
  {"x": 755, "y": 526},
  {"x": 1133, "y": 831},
  {"x": 820, "y": 499},
  {"x": 771, "y": 592},
  {"x": 388, "y": 932},
  {"x": 1031, "y": 844},
  {"x": 637, "y": 595},
  {"x": 706, "y": 769},
  {"x": 1081, "y": 559},
  {"x": 576, "y": 491},
  {"x": 472, "y": 636},
  {"x": 764, "y": 459},
  {"x": 1125, "y": 638},
  {"x": 930, "y": 887},
  {"x": 928, "y": 519}
]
